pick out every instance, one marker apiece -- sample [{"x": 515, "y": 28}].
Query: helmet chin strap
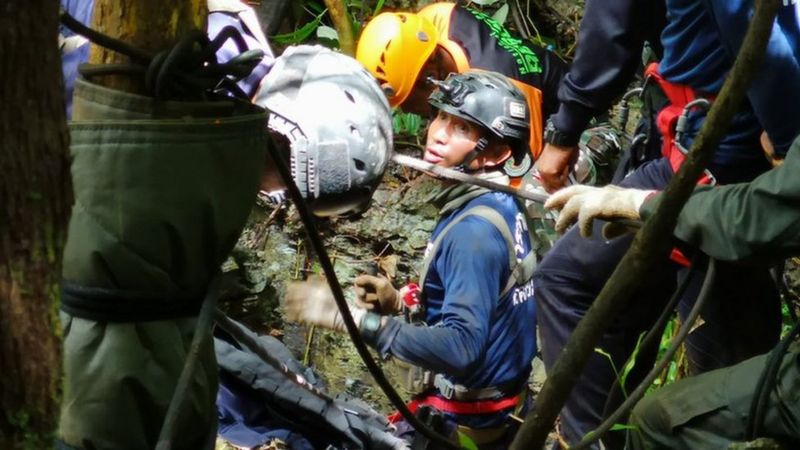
[{"x": 479, "y": 147}]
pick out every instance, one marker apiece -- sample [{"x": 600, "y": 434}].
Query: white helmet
[{"x": 337, "y": 122}]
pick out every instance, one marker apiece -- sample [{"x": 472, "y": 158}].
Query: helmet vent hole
[
  {"x": 354, "y": 131},
  {"x": 349, "y": 97},
  {"x": 360, "y": 166}
]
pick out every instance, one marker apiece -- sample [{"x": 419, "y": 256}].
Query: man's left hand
[{"x": 586, "y": 203}]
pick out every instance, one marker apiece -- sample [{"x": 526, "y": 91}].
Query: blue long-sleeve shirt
[
  {"x": 701, "y": 42},
  {"x": 475, "y": 337},
  {"x": 773, "y": 94}
]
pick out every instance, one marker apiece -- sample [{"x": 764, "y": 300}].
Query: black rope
[
  {"x": 766, "y": 383},
  {"x": 125, "y": 306},
  {"x": 768, "y": 377},
  {"x": 137, "y": 55},
  {"x": 187, "y": 71},
  {"x": 167, "y": 437},
  {"x": 344, "y": 310},
  {"x": 96, "y": 70}
]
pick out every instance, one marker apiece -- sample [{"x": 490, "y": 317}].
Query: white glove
[
  {"x": 311, "y": 302},
  {"x": 377, "y": 292},
  {"x": 587, "y": 203}
]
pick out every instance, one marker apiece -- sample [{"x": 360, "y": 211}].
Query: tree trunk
[
  {"x": 151, "y": 25},
  {"x": 341, "y": 20},
  {"x": 35, "y": 200}
]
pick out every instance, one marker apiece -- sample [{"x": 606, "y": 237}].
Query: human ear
[
  {"x": 387, "y": 89},
  {"x": 496, "y": 155}
]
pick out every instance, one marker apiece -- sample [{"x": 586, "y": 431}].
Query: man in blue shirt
[
  {"x": 477, "y": 338},
  {"x": 700, "y": 40}
]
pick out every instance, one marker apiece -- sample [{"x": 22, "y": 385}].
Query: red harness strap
[
  {"x": 679, "y": 96},
  {"x": 457, "y": 407}
]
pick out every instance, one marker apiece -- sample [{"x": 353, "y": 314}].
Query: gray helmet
[
  {"x": 491, "y": 101},
  {"x": 337, "y": 122}
]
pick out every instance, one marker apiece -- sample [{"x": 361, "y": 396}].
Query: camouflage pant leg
[{"x": 711, "y": 410}]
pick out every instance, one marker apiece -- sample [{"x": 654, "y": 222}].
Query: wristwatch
[
  {"x": 553, "y": 135},
  {"x": 369, "y": 327}
]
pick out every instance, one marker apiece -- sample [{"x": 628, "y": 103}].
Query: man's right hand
[
  {"x": 554, "y": 165},
  {"x": 372, "y": 292},
  {"x": 586, "y": 203},
  {"x": 311, "y": 302}
]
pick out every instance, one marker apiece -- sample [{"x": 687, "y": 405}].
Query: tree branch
[{"x": 341, "y": 21}]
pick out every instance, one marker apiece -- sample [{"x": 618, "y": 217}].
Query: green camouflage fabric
[
  {"x": 712, "y": 410},
  {"x": 599, "y": 149},
  {"x": 542, "y": 221},
  {"x": 162, "y": 191},
  {"x": 599, "y": 152}
]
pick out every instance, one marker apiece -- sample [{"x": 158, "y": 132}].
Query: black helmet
[
  {"x": 489, "y": 100},
  {"x": 337, "y": 121}
]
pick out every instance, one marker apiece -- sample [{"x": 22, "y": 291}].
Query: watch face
[
  {"x": 550, "y": 133},
  {"x": 556, "y": 137}
]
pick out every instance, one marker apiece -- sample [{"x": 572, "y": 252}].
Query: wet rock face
[{"x": 274, "y": 250}]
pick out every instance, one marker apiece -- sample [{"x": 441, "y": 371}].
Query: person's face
[
  {"x": 449, "y": 140},
  {"x": 438, "y": 66}
]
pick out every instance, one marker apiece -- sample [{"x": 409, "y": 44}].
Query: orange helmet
[{"x": 394, "y": 47}]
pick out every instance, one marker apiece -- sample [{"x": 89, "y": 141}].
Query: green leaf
[
  {"x": 603, "y": 352},
  {"x": 378, "y": 7},
  {"x": 501, "y": 14},
  {"x": 326, "y": 32},
  {"x": 631, "y": 362},
  {"x": 544, "y": 41},
  {"x": 301, "y": 34},
  {"x": 465, "y": 442},
  {"x": 672, "y": 373},
  {"x": 315, "y": 7},
  {"x": 406, "y": 123},
  {"x": 620, "y": 380},
  {"x": 622, "y": 426}
]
